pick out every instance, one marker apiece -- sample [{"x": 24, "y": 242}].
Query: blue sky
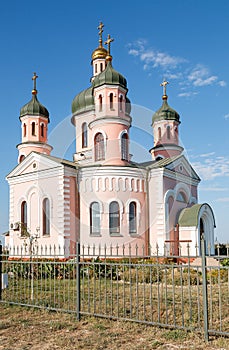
[{"x": 184, "y": 41}]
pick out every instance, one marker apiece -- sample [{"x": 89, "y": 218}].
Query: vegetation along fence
[{"x": 190, "y": 293}]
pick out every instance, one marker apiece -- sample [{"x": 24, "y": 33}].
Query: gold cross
[
  {"x": 34, "y": 78},
  {"x": 108, "y": 43},
  {"x": 164, "y": 86},
  {"x": 100, "y": 27}
]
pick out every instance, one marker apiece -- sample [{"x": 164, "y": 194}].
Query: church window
[
  {"x": 42, "y": 130},
  {"x": 114, "y": 218},
  {"x": 33, "y": 129},
  {"x": 22, "y": 157},
  {"x": 99, "y": 147},
  {"x": 181, "y": 197},
  {"x": 168, "y": 132},
  {"x": 46, "y": 217},
  {"x": 94, "y": 218},
  {"x": 159, "y": 133},
  {"x": 95, "y": 68},
  {"x": 23, "y": 217},
  {"x": 124, "y": 146},
  {"x": 120, "y": 103},
  {"x": 111, "y": 101},
  {"x": 24, "y": 129},
  {"x": 84, "y": 135},
  {"x": 101, "y": 67},
  {"x": 100, "y": 103},
  {"x": 132, "y": 217}
]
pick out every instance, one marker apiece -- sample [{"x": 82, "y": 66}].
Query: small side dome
[
  {"x": 110, "y": 76},
  {"x": 100, "y": 52},
  {"x": 34, "y": 107},
  {"x": 83, "y": 102},
  {"x": 166, "y": 113}
]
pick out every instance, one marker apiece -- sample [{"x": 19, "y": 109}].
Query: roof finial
[
  {"x": 34, "y": 78},
  {"x": 164, "y": 97},
  {"x": 100, "y": 27},
  {"x": 108, "y": 43}
]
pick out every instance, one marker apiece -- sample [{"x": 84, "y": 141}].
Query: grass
[{"x": 22, "y": 328}]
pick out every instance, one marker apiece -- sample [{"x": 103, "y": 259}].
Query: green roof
[
  {"x": 109, "y": 76},
  {"x": 190, "y": 216},
  {"x": 165, "y": 113},
  {"x": 84, "y": 101},
  {"x": 34, "y": 107}
]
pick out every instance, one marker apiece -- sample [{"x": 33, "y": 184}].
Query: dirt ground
[{"x": 24, "y": 329}]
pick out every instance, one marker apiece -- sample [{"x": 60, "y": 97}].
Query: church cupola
[
  {"x": 34, "y": 119},
  {"x": 165, "y": 123}
]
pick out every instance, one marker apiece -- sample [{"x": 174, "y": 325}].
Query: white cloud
[
  {"x": 200, "y": 76},
  {"x": 212, "y": 168},
  {"x": 214, "y": 189},
  {"x": 187, "y": 94},
  {"x": 226, "y": 116},
  {"x": 207, "y": 154},
  {"x": 222, "y": 83},
  {"x": 223, "y": 200}
]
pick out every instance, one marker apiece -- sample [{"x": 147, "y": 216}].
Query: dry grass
[{"x": 24, "y": 329}]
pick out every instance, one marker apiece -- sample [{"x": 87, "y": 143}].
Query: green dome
[
  {"x": 34, "y": 107},
  {"x": 166, "y": 113},
  {"x": 110, "y": 76},
  {"x": 84, "y": 101}
]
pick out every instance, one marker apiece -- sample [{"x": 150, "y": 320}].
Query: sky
[{"x": 185, "y": 42}]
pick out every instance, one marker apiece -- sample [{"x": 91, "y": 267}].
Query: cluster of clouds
[
  {"x": 174, "y": 67},
  {"x": 211, "y": 167}
]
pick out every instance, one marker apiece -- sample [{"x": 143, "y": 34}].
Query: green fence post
[
  {"x": 78, "y": 280},
  {"x": 205, "y": 288}
]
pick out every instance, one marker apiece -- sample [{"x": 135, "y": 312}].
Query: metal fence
[{"x": 169, "y": 291}]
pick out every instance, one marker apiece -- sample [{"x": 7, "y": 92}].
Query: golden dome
[{"x": 100, "y": 52}]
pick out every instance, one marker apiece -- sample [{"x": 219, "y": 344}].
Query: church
[{"x": 101, "y": 197}]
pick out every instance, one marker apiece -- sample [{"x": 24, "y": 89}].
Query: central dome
[{"x": 110, "y": 76}]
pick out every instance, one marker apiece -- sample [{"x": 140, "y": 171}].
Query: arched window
[
  {"x": 46, "y": 217},
  {"x": 99, "y": 147},
  {"x": 100, "y": 103},
  {"x": 96, "y": 68},
  {"x": 84, "y": 135},
  {"x": 176, "y": 133},
  {"x": 159, "y": 133},
  {"x": 94, "y": 218},
  {"x": 114, "y": 218},
  {"x": 168, "y": 132},
  {"x": 111, "y": 101},
  {"x": 33, "y": 129},
  {"x": 23, "y": 217},
  {"x": 120, "y": 103},
  {"x": 42, "y": 130},
  {"x": 24, "y": 129},
  {"x": 132, "y": 217},
  {"x": 22, "y": 157},
  {"x": 101, "y": 67},
  {"x": 124, "y": 147},
  {"x": 181, "y": 197}
]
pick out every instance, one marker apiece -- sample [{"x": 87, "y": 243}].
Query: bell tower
[
  {"x": 165, "y": 123},
  {"x": 34, "y": 119}
]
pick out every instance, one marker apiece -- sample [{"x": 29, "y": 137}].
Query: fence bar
[
  {"x": 205, "y": 291},
  {"x": 78, "y": 281}
]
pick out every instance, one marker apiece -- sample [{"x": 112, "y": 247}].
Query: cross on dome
[
  {"x": 100, "y": 27},
  {"x": 108, "y": 43},
  {"x": 34, "y": 78},
  {"x": 164, "y": 88}
]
